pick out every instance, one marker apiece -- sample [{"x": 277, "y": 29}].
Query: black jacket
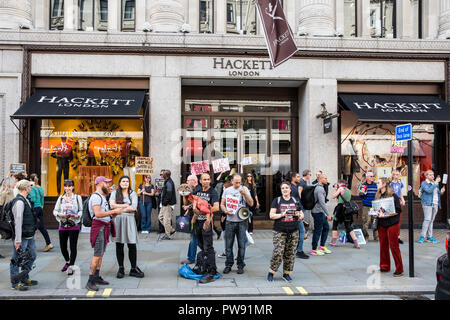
[
  {"x": 168, "y": 194},
  {"x": 387, "y": 222}
]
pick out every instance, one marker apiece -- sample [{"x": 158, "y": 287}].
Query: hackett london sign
[
  {"x": 242, "y": 67},
  {"x": 399, "y": 107},
  {"x": 84, "y": 102}
]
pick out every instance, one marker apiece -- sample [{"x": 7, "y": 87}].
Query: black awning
[
  {"x": 397, "y": 107},
  {"x": 77, "y": 103}
]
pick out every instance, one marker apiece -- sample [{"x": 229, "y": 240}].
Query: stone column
[
  {"x": 41, "y": 19},
  {"x": 69, "y": 23},
  {"x": 194, "y": 15},
  {"x": 364, "y": 20},
  {"x": 430, "y": 19},
  {"x": 340, "y": 16},
  {"x": 167, "y": 15},
  {"x": 140, "y": 14},
  {"x": 15, "y": 14},
  {"x": 444, "y": 20},
  {"x": 221, "y": 17},
  {"x": 113, "y": 15},
  {"x": 317, "y": 17}
]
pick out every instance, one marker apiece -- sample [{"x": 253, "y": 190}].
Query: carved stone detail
[
  {"x": 167, "y": 15},
  {"x": 317, "y": 17},
  {"x": 444, "y": 20}
]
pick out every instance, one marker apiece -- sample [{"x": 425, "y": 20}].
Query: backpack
[
  {"x": 200, "y": 265},
  {"x": 350, "y": 207},
  {"x": 86, "y": 217},
  {"x": 7, "y": 221},
  {"x": 308, "y": 199}
]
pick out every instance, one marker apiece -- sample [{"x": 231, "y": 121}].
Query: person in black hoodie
[{"x": 168, "y": 201}]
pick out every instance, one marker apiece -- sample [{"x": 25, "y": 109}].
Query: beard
[{"x": 105, "y": 190}]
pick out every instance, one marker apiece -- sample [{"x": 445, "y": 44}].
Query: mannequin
[{"x": 63, "y": 155}]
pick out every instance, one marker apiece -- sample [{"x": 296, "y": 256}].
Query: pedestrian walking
[
  {"x": 36, "y": 197},
  {"x": 233, "y": 199},
  {"x": 397, "y": 186},
  {"x": 307, "y": 220},
  {"x": 125, "y": 199},
  {"x": 295, "y": 193},
  {"x": 286, "y": 211},
  {"x": 188, "y": 211},
  {"x": 367, "y": 194},
  {"x": 342, "y": 193},
  {"x": 431, "y": 203},
  {"x": 146, "y": 192},
  {"x": 102, "y": 227},
  {"x": 251, "y": 186},
  {"x": 68, "y": 211},
  {"x": 168, "y": 201},
  {"x": 389, "y": 230},
  {"x": 321, "y": 217},
  {"x": 25, "y": 226}
]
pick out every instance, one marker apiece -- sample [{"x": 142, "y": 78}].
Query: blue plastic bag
[{"x": 186, "y": 272}]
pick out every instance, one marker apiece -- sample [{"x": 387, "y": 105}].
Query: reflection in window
[
  {"x": 128, "y": 15},
  {"x": 382, "y": 18},
  {"x": 57, "y": 14},
  {"x": 88, "y": 21},
  {"x": 370, "y": 146},
  {"x": 350, "y": 9},
  {"x": 206, "y": 16},
  {"x": 83, "y": 149},
  {"x": 237, "y": 20}
]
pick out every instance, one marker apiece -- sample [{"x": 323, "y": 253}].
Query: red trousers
[{"x": 388, "y": 238}]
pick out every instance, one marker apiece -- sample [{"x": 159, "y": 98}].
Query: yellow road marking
[
  {"x": 302, "y": 291},
  {"x": 107, "y": 292},
  {"x": 288, "y": 291},
  {"x": 90, "y": 294}
]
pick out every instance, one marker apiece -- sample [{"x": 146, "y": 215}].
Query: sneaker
[
  {"x": 383, "y": 270},
  {"x": 120, "y": 273},
  {"x": 207, "y": 278},
  {"x": 240, "y": 271},
  {"x": 400, "y": 241},
  {"x": 432, "y": 240},
  {"x": 90, "y": 285},
  {"x": 270, "y": 277},
  {"x": 398, "y": 274},
  {"x": 30, "y": 283},
  {"x": 70, "y": 272},
  {"x": 65, "y": 267},
  {"x": 187, "y": 262},
  {"x": 99, "y": 280},
  {"x": 250, "y": 233},
  {"x": 302, "y": 255},
  {"x": 20, "y": 287},
  {"x": 165, "y": 238},
  {"x": 144, "y": 232},
  {"x": 421, "y": 239},
  {"x": 316, "y": 253},
  {"x": 227, "y": 270},
  {"x": 222, "y": 255},
  {"x": 287, "y": 278},
  {"x": 136, "y": 272},
  {"x": 324, "y": 249},
  {"x": 47, "y": 248}
]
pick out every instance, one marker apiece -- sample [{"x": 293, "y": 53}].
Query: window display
[{"x": 83, "y": 149}]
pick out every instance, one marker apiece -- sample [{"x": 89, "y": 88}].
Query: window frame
[
  {"x": 51, "y": 10},
  {"x": 212, "y": 16},
  {"x": 122, "y": 16}
]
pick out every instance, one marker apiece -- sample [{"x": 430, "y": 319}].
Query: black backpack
[
  {"x": 308, "y": 199},
  {"x": 86, "y": 217},
  {"x": 349, "y": 207},
  {"x": 7, "y": 220},
  {"x": 200, "y": 265}
]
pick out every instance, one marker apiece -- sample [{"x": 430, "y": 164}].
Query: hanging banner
[
  {"x": 221, "y": 165},
  {"x": 278, "y": 34}
]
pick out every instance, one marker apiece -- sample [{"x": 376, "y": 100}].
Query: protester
[
  {"x": 68, "y": 211},
  {"x": 295, "y": 181},
  {"x": 367, "y": 194},
  {"x": 233, "y": 199},
  {"x": 431, "y": 203},
  {"x": 188, "y": 211},
  {"x": 286, "y": 211},
  {"x": 36, "y": 197},
  {"x": 307, "y": 221},
  {"x": 102, "y": 226},
  {"x": 25, "y": 226},
  {"x": 203, "y": 226},
  {"x": 223, "y": 216},
  {"x": 146, "y": 192},
  {"x": 389, "y": 230},
  {"x": 321, "y": 217},
  {"x": 326, "y": 186},
  {"x": 158, "y": 202},
  {"x": 168, "y": 201},
  {"x": 342, "y": 193},
  {"x": 251, "y": 186},
  {"x": 397, "y": 186},
  {"x": 125, "y": 199}
]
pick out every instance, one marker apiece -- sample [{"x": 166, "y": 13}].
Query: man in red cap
[{"x": 102, "y": 225}]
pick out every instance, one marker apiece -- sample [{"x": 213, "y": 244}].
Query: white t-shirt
[
  {"x": 234, "y": 201},
  {"x": 95, "y": 200}
]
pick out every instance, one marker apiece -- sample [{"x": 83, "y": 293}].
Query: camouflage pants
[{"x": 284, "y": 248}]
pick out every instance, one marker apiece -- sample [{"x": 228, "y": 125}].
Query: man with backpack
[
  {"x": 295, "y": 180},
  {"x": 25, "y": 225},
  {"x": 102, "y": 225},
  {"x": 168, "y": 201}
]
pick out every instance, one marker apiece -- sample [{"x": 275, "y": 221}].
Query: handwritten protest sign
[
  {"x": 15, "y": 168},
  {"x": 199, "y": 167},
  {"x": 221, "y": 165},
  {"x": 144, "y": 165}
]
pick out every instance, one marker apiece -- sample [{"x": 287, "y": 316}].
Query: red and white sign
[
  {"x": 199, "y": 167},
  {"x": 221, "y": 165}
]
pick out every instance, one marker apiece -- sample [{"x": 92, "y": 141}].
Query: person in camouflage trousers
[{"x": 285, "y": 247}]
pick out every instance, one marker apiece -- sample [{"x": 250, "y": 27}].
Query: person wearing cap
[{"x": 102, "y": 226}]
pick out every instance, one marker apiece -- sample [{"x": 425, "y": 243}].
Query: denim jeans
[
  {"x": 301, "y": 238},
  {"x": 232, "y": 230},
  {"x": 146, "y": 215},
  {"x": 192, "y": 251},
  {"x": 321, "y": 228},
  {"x": 14, "y": 270}
]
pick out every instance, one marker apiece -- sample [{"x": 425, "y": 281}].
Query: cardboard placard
[
  {"x": 144, "y": 165},
  {"x": 15, "y": 168},
  {"x": 159, "y": 184},
  {"x": 199, "y": 167},
  {"x": 221, "y": 165}
]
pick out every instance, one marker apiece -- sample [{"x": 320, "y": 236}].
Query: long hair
[
  {"x": 119, "y": 194},
  {"x": 389, "y": 191},
  {"x": 252, "y": 183},
  {"x": 34, "y": 178}
]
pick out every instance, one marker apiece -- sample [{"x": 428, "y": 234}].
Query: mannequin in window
[
  {"x": 63, "y": 155},
  {"x": 128, "y": 154}
]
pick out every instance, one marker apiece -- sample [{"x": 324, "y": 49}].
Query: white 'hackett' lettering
[
  {"x": 85, "y": 102},
  {"x": 399, "y": 107}
]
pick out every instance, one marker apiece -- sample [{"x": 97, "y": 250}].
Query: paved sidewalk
[{"x": 345, "y": 271}]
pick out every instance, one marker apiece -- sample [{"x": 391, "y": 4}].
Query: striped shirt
[{"x": 370, "y": 194}]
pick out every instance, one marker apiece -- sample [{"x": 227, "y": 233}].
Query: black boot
[
  {"x": 121, "y": 273},
  {"x": 136, "y": 272},
  {"x": 91, "y": 284}
]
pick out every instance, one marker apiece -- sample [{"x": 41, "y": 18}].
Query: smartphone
[{"x": 444, "y": 178}]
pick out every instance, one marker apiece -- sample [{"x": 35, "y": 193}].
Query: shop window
[
  {"x": 371, "y": 146},
  {"x": 241, "y": 17},
  {"x": 236, "y": 106},
  {"x": 93, "y": 15},
  {"x": 382, "y": 18},
  {"x": 206, "y": 16},
  {"x": 128, "y": 15},
  {"x": 56, "y": 14},
  {"x": 83, "y": 149},
  {"x": 350, "y": 10}
]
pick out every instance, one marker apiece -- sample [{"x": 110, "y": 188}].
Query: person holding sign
[
  {"x": 389, "y": 229},
  {"x": 146, "y": 192}
]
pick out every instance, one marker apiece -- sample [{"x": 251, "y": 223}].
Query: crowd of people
[{"x": 112, "y": 213}]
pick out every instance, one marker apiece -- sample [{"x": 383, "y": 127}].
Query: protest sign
[
  {"x": 221, "y": 165},
  {"x": 144, "y": 165}
]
